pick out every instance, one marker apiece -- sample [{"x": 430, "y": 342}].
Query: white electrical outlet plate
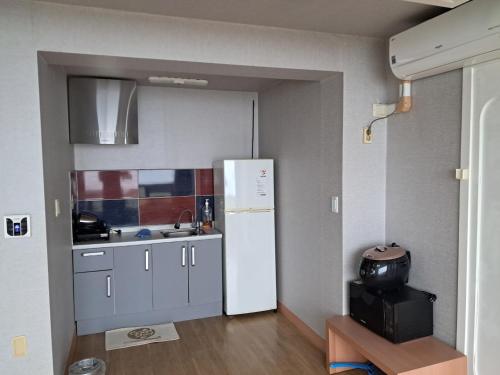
[
  {"x": 17, "y": 226},
  {"x": 382, "y": 110},
  {"x": 367, "y": 138}
]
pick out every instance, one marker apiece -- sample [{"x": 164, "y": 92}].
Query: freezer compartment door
[
  {"x": 249, "y": 262},
  {"x": 248, "y": 184}
]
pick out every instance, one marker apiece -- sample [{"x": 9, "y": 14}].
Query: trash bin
[{"x": 88, "y": 366}]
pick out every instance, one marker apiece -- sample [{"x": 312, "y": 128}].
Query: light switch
[
  {"x": 462, "y": 174},
  {"x": 57, "y": 207},
  {"x": 19, "y": 346},
  {"x": 335, "y": 204}
]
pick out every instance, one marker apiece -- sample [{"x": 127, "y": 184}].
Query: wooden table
[{"x": 349, "y": 341}]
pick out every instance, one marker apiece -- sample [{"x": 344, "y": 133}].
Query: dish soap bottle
[{"x": 207, "y": 215}]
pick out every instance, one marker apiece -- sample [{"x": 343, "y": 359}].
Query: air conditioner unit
[{"x": 467, "y": 35}]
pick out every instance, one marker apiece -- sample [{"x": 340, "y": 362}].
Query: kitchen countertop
[{"x": 129, "y": 238}]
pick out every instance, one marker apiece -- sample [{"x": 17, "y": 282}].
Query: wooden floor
[{"x": 264, "y": 343}]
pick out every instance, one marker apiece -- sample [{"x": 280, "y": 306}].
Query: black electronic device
[
  {"x": 88, "y": 227},
  {"x": 397, "y": 315},
  {"x": 385, "y": 268}
]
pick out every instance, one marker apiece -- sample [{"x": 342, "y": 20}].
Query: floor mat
[{"x": 134, "y": 336}]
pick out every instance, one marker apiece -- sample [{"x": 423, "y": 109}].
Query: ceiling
[
  {"x": 215, "y": 82},
  {"x": 377, "y": 18},
  {"x": 219, "y": 76}
]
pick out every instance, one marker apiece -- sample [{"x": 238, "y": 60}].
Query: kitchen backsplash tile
[
  {"x": 142, "y": 197},
  {"x": 117, "y": 212},
  {"x": 166, "y": 183},
  {"x": 154, "y": 211},
  {"x": 107, "y": 184},
  {"x": 204, "y": 182}
]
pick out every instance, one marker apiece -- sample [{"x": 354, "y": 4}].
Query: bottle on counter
[{"x": 206, "y": 215}]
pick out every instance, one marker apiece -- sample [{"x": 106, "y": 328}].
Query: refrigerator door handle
[{"x": 249, "y": 210}]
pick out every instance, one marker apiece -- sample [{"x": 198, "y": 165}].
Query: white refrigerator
[{"x": 244, "y": 213}]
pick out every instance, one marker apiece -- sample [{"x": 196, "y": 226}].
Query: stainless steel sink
[{"x": 181, "y": 233}]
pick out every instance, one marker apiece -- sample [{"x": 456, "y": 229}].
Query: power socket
[
  {"x": 367, "y": 136},
  {"x": 382, "y": 110}
]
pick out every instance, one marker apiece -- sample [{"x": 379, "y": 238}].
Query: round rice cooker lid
[{"x": 384, "y": 253}]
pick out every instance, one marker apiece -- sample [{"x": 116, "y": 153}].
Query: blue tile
[
  {"x": 200, "y": 203},
  {"x": 166, "y": 182},
  {"x": 119, "y": 212}
]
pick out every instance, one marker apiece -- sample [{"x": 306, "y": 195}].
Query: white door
[
  {"x": 249, "y": 262},
  {"x": 248, "y": 184},
  {"x": 481, "y": 260}
]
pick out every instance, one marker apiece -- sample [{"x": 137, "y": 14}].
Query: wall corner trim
[
  {"x": 316, "y": 340},
  {"x": 71, "y": 353}
]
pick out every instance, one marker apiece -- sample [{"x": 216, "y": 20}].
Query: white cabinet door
[
  {"x": 248, "y": 184},
  {"x": 479, "y": 271},
  {"x": 249, "y": 262},
  {"x": 486, "y": 117}
]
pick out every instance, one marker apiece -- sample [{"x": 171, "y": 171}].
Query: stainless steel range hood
[{"x": 102, "y": 111}]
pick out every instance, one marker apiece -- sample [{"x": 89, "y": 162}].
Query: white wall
[
  {"x": 301, "y": 128},
  {"x": 363, "y": 166},
  {"x": 423, "y": 151},
  {"x": 58, "y": 161},
  {"x": 27, "y": 27},
  {"x": 24, "y": 286},
  {"x": 180, "y": 128}
]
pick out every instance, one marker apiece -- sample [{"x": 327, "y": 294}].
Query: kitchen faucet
[{"x": 177, "y": 224}]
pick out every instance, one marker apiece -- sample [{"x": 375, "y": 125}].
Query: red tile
[
  {"x": 154, "y": 211},
  {"x": 204, "y": 182},
  {"x": 107, "y": 184}
]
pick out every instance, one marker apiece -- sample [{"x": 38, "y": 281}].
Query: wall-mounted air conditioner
[{"x": 464, "y": 36}]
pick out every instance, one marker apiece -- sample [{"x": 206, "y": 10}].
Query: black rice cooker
[{"x": 385, "y": 268}]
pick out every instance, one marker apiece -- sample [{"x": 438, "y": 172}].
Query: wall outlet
[
  {"x": 367, "y": 137},
  {"x": 19, "y": 346},
  {"x": 382, "y": 110}
]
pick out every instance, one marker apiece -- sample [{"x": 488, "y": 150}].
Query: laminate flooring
[{"x": 258, "y": 344}]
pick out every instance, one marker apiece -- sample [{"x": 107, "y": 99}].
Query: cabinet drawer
[{"x": 93, "y": 259}]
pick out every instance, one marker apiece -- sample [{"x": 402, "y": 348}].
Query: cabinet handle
[
  {"x": 193, "y": 256},
  {"x": 146, "y": 255},
  {"x": 108, "y": 286},
  {"x": 94, "y": 254},
  {"x": 183, "y": 261}
]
